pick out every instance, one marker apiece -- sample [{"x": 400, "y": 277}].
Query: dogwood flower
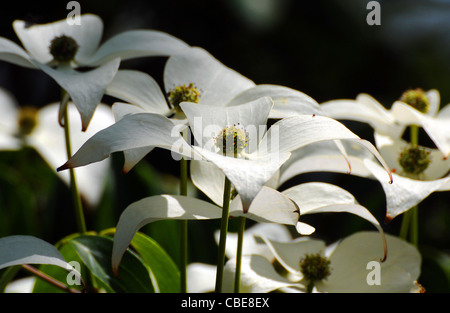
[
  {"x": 60, "y": 48},
  {"x": 350, "y": 265},
  {"x": 235, "y": 140},
  {"x": 37, "y": 128},
  {"x": 418, "y": 171},
  {"x": 426, "y": 114},
  {"x": 275, "y": 261},
  {"x": 260, "y": 153},
  {"x": 193, "y": 75},
  {"x": 196, "y": 76},
  {"x": 402, "y": 195}
]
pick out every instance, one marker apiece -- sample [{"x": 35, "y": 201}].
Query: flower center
[
  {"x": 231, "y": 140},
  {"x": 27, "y": 120},
  {"x": 414, "y": 160},
  {"x": 417, "y": 98},
  {"x": 63, "y": 48},
  {"x": 315, "y": 267},
  {"x": 183, "y": 93}
]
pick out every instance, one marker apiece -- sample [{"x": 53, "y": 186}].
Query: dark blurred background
[{"x": 324, "y": 48}]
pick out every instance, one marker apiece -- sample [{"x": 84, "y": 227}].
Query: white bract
[
  {"x": 41, "y": 131},
  {"x": 59, "y": 48},
  {"x": 162, "y": 207},
  {"x": 311, "y": 198}
]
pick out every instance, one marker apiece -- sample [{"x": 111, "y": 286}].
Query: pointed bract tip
[
  {"x": 349, "y": 167},
  {"x": 388, "y": 219},
  {"x": 391, "y": 178},
  {"x": 63, "y": 167},
  {"x": 385, "y": 255}
]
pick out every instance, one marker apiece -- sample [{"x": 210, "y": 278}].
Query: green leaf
[
  {"x": 164, "y": 272},
  {"x": 69, "y": 253},
  {"x": 95, "y": 252}
]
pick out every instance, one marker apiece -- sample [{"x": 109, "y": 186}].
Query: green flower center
[
  {"x": 27, "y": 120},
  {"x": 414, "y": 160},
  {"x": 417, "y": 98},
  {"x": 63, "y": 48},
  {"x": 183, "y": 93},
  {"x": 315, "y": 267},
  {"x": 231, "y": 140}
]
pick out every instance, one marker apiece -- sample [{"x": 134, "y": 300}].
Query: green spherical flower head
[
  {"x": 417, "y": 98},
  {"x": 231, "y": 140},
  {"x": 315, "y": 267},
  {"x": 414, "y": 160},
  {"x": 27, "y": 120},
  {"x": 63, "y": 48},
  {"x": 183, "y": 94}
]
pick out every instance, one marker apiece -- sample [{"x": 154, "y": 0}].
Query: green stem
[
  {"x": 310, "y": 287},
  {"x": 410, "y": 224},
  {"x": 79, "y": 214},
  {"x": 183, "y": 224},
  {"x": 414, "y": 135},
  {"x": 237, "y": 277},
  {"x": 223, "y": 235},
  {"x": 414, "y": 235},
  {"x": 406, "y": 221}
]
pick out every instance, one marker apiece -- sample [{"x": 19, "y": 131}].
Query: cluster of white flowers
[{"x": 248, "y": 140}]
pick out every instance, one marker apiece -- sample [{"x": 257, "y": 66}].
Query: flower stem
[
  {"x": 414, "y": 135},
  {"x": 410, "y": 222},
  {"x": 223, "y": 235},
  {"x": 183, "y": 224},
  {"x": 310, "y": 287},
  {"x": 237, "y": 277},
  {"x": 414, "y": 235},
  {"x": 404, "y": 228},
  {"x": 79, "y": 214}
]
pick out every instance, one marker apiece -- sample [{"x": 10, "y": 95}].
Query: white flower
[
  {"x": 341, "y": 267},
  {"x": 265, "y": 152},
  {"x": 394, "y": 121},
  {"x": 265, "y": 245},
  {"x": 59, "y": 48},
  {"x": 403, "y": 194},
  {"x": 195, "y": 70},
  {"x": 410, "y": 186},
  {"x": 41, "y": 131}
]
